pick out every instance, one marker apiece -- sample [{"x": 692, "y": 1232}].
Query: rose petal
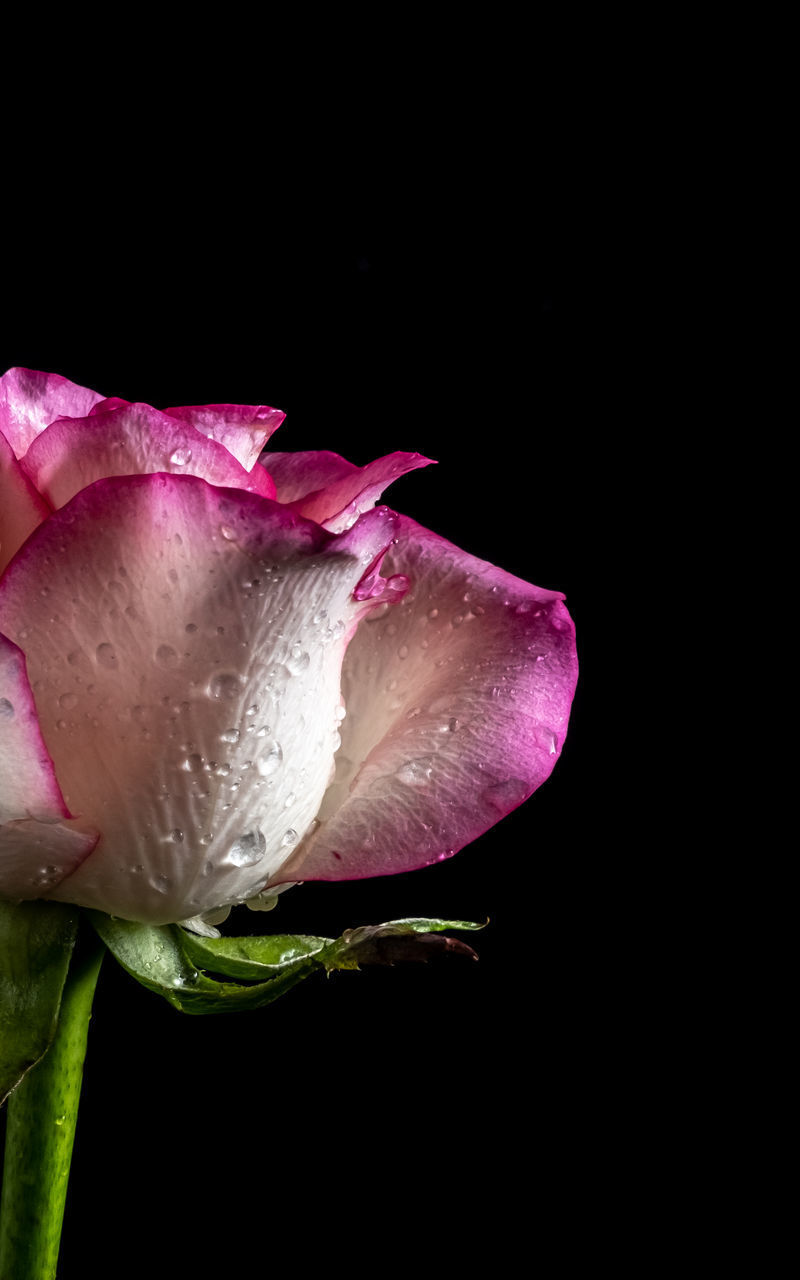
[
  {"x": 30, "y": 401},
  {"x": 21, "y": 507},
  {"x": 326, "y": 488},
  {"x": 39, "y": 843},
  {"x": 133, "y": 439},
  {"x": 35, "y": 857},
  {"x": 457, "y": 707},
  {"x": 186, "y": 666},
  {"x": 242, "y": 428}
]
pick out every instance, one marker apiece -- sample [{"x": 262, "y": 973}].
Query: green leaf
[
  {"x": 36, "y": 942},
  {"x": 175, "y": 963}
]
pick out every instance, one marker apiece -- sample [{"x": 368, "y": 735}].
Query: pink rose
[{"x": 223, "y": 671}]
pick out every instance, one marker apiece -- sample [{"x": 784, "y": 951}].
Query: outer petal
[
  {"x": 457, "y": 706},
  {"x": 39, "y": 845},
  {"x": 186, "y": 667},
  {"x": 243, "y": 429},
  {"x": 30, "y": 401},
  {"x": 21, "y": 507},
  {"x": 326, "y": 488},
  {"x": 133, "y": 439}
]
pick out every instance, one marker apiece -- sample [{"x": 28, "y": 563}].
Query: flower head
[{"x": 223, "y": 670}]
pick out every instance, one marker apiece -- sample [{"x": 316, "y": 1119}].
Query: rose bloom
[{"x": 224, "y": 671}]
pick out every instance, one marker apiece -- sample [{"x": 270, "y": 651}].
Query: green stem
[{"x": 42, "y": 1112}]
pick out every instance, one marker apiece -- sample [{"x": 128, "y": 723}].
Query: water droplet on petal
[
  {"x": 433, "y": 613},
  {"x": 180, "y": 457},
  {"x": 505, "y": 796},
  {"x": 227, "y": 532},
  {"x": 68, "y": 701},
  {"x": 223, "y": 685},
  {"x": 299, "y": 660},
  {"x": 176, "y": 835},
  {"x": 290, "y": 837},
  {"x": 416, "y": 773},
  {"x": 192, "y": 764},
  {"x": 106, "y": 656},
  {"x": 230, "y": 735},
  {"x": 402, "y": 652},
  {"x": 247, "y": 849},
  {"x": 166, "y": 655},
  {"x": 268, "y": 763}
]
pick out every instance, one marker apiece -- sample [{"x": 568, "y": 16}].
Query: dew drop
[
  {"x": 505, "y": 796},
  {"x": 300, "y": 661},
  {"x": 416, "y": 773},
  {"x": 6, "y": 709},
  {"x": 190, "y": 628},
  {"x": 247, "y": 849},
  {"x": 290, "y": 837},
  {"x": 227, "y": 532},
  {"x": 162, "y": 884},
  {"x": 176, "y": 835},
  {"x": 230, "y": 735},
  {"x": 402, "y": 652},
  {"x": 207, "y": 838},
  {"x": 166, "y": 656},
  {"x": 270, "y": 762},
  {"x": 107, "y": 657},
  {"x": 289, "y": 801},
  {"x": 453, "y": 724},
  {"x": 222, "y": 770},
  {"x": 192, "y": 764},
  {"x": 433, "y": 613},
  {"x": 68, "y": 701},
  {"x": 180, "y": 457},
  {"x": 225, "y": 685},
  {"x": 457, "y": 619}
]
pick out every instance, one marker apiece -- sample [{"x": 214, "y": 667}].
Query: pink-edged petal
[
  {"x": 131, "y": 440},
  {"x": 39, "y": 842},
  {"x": 30, "y": 401},
  {"x": 21, "y": 507},
  {"x": 28, "y": 784},
  {"x": 332, "y": 491},
  {"x": 35, "y": 857},
  {"x": 243, "y": 429},
  {"x": 186, "y": 666},
  {"x": 299, "y": 474},
  {"x": 457, "y": 706}
]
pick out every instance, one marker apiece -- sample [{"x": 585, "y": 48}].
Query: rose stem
[{"x": 42, "y": 1112}]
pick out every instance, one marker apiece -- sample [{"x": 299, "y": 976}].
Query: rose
[{"x": 222, "y": 672}]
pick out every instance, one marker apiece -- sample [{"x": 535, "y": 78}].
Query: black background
[{"x": 343, "y": 1123}]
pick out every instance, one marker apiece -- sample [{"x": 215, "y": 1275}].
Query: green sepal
[
  {"x": 36, "y": 943},
  {"x": 251, "y": 958},
  {"x": 156, "y": 956},
  {"x": 176, "y": 964}
]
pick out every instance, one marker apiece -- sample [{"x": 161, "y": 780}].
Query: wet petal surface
[
  {"x": 457, "y": 706},
  {"x": 185, "y": 646},
  {"x": 133, "y": 439}
]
